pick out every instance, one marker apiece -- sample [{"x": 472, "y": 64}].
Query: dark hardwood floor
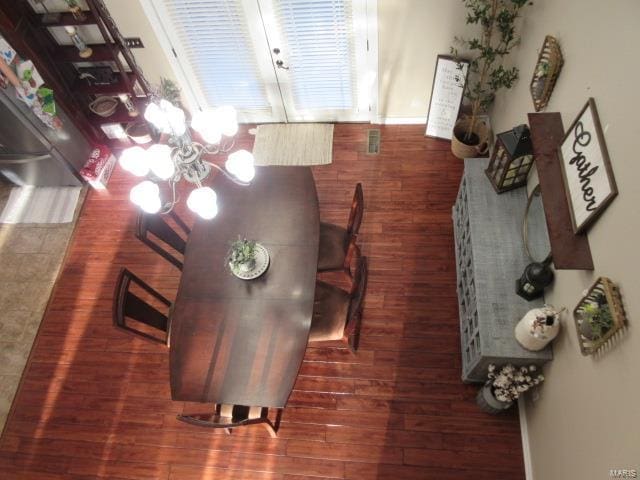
[{"x": 94, "y": 402}]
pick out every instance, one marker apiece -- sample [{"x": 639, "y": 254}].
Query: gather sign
[{"x": 586, "y": 168}]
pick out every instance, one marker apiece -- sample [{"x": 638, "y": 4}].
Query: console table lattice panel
[{"x": 490, "y": 256}]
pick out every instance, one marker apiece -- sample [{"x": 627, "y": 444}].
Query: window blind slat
[
  {"x": 214, "y": 35},
  {"x": 320, "y": 49}
]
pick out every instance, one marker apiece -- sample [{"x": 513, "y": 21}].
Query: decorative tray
[
  {"x": 605, "y": 291},
  {"x": 546, "y": 72},
  {"x": 261, "y": 265}
]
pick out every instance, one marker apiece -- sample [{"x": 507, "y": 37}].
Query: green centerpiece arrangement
[{"x": 242, "y": 256}]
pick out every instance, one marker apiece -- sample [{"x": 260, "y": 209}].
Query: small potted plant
[
  {"x": 541, "y": 74},
  {"x": 242, "y": 256},
  {"x": 596, "y": 318},
  {"x": 487, "y": 75},
  {"x": 169, "y": 91},
  {"x": 505, "y": 385}
]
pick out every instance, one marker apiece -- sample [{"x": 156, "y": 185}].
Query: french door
[{"x": 274, "y": 60}]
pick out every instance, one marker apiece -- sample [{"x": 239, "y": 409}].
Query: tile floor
[{"x": 30, "y": 258}]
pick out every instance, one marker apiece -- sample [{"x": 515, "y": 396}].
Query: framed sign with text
[
  {"x": 586, "y": 169},
  {"x": 446, "y": 96}
]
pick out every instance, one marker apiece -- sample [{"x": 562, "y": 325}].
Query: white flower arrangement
[
  {"x": 510, "y": 382},
  {"x": 544, "y": 320}
]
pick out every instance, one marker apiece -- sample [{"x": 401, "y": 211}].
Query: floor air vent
[{"x": 373, "y": 142}]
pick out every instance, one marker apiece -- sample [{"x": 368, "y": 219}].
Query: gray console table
[{"x": 490, "y": 256}]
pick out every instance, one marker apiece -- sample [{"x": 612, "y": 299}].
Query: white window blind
[
  {"x": 320, "y": 49},
  {"x": 214, "y": 36}
]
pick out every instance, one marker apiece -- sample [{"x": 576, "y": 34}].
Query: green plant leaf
[{"x": 496, "y": 39}]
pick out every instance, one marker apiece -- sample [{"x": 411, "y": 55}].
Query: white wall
[
  {"x": 587, "y": 420},
  {"x": 132, "y": 22},
  {"x": 411, "y": 34}
]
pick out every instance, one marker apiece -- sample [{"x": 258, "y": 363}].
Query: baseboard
[
  {"x": 524, "y": 433},
  {"x": 400, "y": 121}
]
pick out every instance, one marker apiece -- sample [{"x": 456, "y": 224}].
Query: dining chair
[
  {"x": 337, "y": 314},
  {"x": 337, "y": 244},
  {"x": 128, "y": 305},
  {"x": 155, "y": 225},
  {"x": 229, "y": 417}
]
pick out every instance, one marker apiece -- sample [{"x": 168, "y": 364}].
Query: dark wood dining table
[{"x": 239, "y": 341}]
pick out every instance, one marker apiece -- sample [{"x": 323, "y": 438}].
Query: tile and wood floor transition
[
  {"x": 30, "y": 258},
  {"x": 95, "y": 403}
]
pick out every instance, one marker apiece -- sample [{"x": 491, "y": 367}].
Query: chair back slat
[
  {"x": 128, "y": 305},
  {"x": 156, "y": 225},
  {"x": 183, "y": 226},
  {"x": 357, "y": 294},
  {"x": 357, "y": 211},
  {"x": 138, "y": 309}
]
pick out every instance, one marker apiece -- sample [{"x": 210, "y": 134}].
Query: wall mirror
[{"x": 534, "y": 229}]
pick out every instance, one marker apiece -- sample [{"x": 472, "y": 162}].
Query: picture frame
[
  {"x": 586, "y": 169},
  {"x": 447, "y": 89}
]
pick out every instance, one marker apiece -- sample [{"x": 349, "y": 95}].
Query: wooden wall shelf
[
  {"x": 121, "y": 115},
  {"x": 69, "y": 53},
  {"x": 66, "y": 19},
  {"x": 29, "y": 32},
  {"x": 570, "y": 251},
  {"x": 112, "y": 89}
]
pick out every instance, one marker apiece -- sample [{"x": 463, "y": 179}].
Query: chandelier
[{"x": 184, "y": 158}]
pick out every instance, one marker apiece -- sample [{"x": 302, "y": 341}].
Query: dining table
[{"x": 242, "y": 342}]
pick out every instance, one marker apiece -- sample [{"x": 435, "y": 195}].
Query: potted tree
[
  {"x": 503, "y": 387},
  {"x": 487, "y": 75}
]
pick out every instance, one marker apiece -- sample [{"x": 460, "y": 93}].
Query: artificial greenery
[
  {"x": 542, "y": 71},
  {"x": 169, "y": 91},
  {"x": 597, "y": 316},
  {"x": 242, "y": 251},
  {"x": 487, "y": 74},
  {"x": 543, "y": 68}
]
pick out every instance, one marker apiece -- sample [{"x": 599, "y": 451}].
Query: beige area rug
[{"x": 294, "y": 144}]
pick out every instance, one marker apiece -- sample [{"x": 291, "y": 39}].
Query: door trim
[{"x": 372, "y": 57}]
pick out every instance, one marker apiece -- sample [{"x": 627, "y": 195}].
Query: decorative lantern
[
  {"x": 533, "y": 281},
  {"x": 511, "y": 160}
]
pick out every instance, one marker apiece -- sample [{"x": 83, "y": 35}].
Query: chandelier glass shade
[{"x": 184, "y": 159}]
